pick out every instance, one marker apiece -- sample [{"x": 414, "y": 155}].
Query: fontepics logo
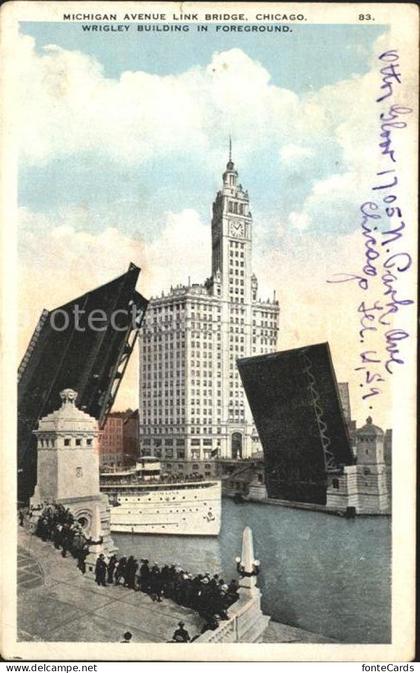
[{"x": 95, "y": 320}]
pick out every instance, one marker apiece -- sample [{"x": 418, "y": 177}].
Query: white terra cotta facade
[{"x": 192, "y": 404}]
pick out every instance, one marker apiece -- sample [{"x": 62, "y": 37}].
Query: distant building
[
  {"x": 131, "y": 436},
  {"x": 344, "y": 394},
  {"x": 192, "y": 404},
  {"x": 388, "y": 461},
  {"x": 118, "y": 442},
  {"x": 363, "y": 486},
  {"x": 343, "y": 390},
  {"x": 245, "y": 477}
]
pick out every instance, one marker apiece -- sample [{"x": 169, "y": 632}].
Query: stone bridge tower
[{"x": 68, "y": 468}]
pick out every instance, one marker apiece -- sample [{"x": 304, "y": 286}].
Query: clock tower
[
  {"x": 193, "y": 404},
  {"x": 232, "y": 266},
  {"x": 231, "y": 237}
]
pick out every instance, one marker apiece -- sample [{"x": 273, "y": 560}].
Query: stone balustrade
[{"x": 246, "y": 623}]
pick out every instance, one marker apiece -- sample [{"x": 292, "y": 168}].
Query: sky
[{"x": 123, "y": 142}]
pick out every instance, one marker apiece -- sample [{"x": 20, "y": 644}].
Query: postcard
[{"x": 209, "y": 282}]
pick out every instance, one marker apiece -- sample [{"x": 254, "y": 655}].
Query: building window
[
  {"x": 67, "y": 442},
  {"x": 336, "y": 484},
  {"x": 78, "y": 442}
]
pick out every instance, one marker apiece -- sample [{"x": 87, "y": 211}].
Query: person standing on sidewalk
[{"x": 100, "y": 571}]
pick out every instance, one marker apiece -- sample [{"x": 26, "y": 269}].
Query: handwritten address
[{"x": 385, "y": 259}]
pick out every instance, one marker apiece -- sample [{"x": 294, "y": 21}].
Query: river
[{"x": 319, "y": 572}]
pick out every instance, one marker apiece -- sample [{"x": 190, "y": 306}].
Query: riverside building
[
  {"x": 118, "y": 439},
  {"x": 192, "y": 404}
]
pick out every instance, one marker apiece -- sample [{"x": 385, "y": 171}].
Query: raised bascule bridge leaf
[
  {"x": 77, "y": 355},
  {"x": 296, "y": 407}
]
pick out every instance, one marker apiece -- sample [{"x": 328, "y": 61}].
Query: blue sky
[
  {"x": 309, "y": 57},
  {"x": 303, "y": 62}
]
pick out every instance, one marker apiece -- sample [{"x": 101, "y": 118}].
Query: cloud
[
  {"x": 347, "y": 115},
  {"x": 73, "y": 108},
  {"x": 332, "y": 206},
  {"x": 59, "y": 263},
  {"x": 291, "y": 154},
  {"x": 66, "y": 105},
  {"x": 299, "y": 221},
  {"x": 314, "y": 311}
]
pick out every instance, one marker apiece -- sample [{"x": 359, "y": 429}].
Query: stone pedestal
[
  {"x": 251, "y": 623},
  {"x": 246, "y": 623}
]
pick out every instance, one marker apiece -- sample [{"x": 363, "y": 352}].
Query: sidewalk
[
  {"x": 57, "y": 603},
  {"x": 282, "y": 633}
]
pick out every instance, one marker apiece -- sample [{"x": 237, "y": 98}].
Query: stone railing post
[
  {"x": 247, "y": 622},
  {"x": 246, "y": 564},
  {"x": 251, "y": 623}
]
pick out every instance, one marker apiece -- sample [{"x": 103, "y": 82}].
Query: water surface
[{"x": 319, "y": 572}]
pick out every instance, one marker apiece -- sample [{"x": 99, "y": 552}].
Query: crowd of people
[
  {"x": 57, "y": 524},
  {"x": 208, "y": 595}
]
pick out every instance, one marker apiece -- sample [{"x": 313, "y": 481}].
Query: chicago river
[{"x": 322, "y": 573}]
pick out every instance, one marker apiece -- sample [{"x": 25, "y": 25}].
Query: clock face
[{"x": 237, "y": 229}]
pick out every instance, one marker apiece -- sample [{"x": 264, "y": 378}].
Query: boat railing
[{"x": 163, "y": 480}]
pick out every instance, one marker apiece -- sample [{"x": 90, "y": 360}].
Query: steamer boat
[{"x": 143, "y": 500}]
